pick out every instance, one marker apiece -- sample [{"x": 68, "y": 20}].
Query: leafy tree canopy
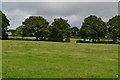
[
  {"x": 60, "y": 30},
  {"x": 35, "y": 25},
  {"x": 4, "y": 20},
  {"x": 114, "y": 27},
  {"x": 93, "y": 28},
  {"x": 4, "y": 23}
]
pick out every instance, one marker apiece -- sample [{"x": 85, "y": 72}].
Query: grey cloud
[{"x": 75, "y": 12}]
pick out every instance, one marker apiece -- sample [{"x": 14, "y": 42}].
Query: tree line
[{"x": 93, "y": 28}]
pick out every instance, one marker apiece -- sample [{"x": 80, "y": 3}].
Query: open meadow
[{"x": 42, "y": 59}]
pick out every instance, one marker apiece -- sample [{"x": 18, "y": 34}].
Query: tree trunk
[
  {"x": 22, "y": 37},
  {"x": 98, "y": 40},
  {"x": 115, "y": 40},
  {"x": 36, "y": 39},
  {"x": 89, "y": 40},
  {"x": 93, "y": 40},
  {"x": 84, "y": 40}
]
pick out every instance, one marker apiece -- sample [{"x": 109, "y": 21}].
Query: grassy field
[{"x": 42, "y": 59}]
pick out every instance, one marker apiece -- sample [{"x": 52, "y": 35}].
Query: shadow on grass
[
  {"x": 23, "y": 39},
  {"x": 99, "y": 42}
]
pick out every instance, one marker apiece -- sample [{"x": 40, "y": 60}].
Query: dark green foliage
[
  {"x": 59, "y": 30},
  {"x": 114, "y": 28},
  {"x": 4, "y": 22},
  {"x": 74, "y": 31},
  {"x": 38, "y": 27},
  {"x": 93, "y": 28},
  {"x": 21, "y": 30},
  {"x": 35, "y": 25}
]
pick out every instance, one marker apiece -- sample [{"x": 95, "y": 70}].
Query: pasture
[{"x": 42, "y": 59}]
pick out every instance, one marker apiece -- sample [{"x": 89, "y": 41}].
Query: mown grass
[{"x": 42, "y": 59}]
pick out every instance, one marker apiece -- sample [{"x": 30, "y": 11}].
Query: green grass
[
  {"x": 20, "y": 38},
  {"x": 42, "y": 59}
]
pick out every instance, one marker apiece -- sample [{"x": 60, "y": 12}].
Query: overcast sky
[{"x": 75, "y": 12}]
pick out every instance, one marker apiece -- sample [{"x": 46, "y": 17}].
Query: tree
[
  {"x": 21, "y": 31},
  {"x": 74, "y": 31},
  {"x": 114, "y": 28},
  {"x": 59, "y": 30},
  {"x": 4, "y": 22},
  {"x": 35, "y": 25},
  {"x": 93, "y": 28}
]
